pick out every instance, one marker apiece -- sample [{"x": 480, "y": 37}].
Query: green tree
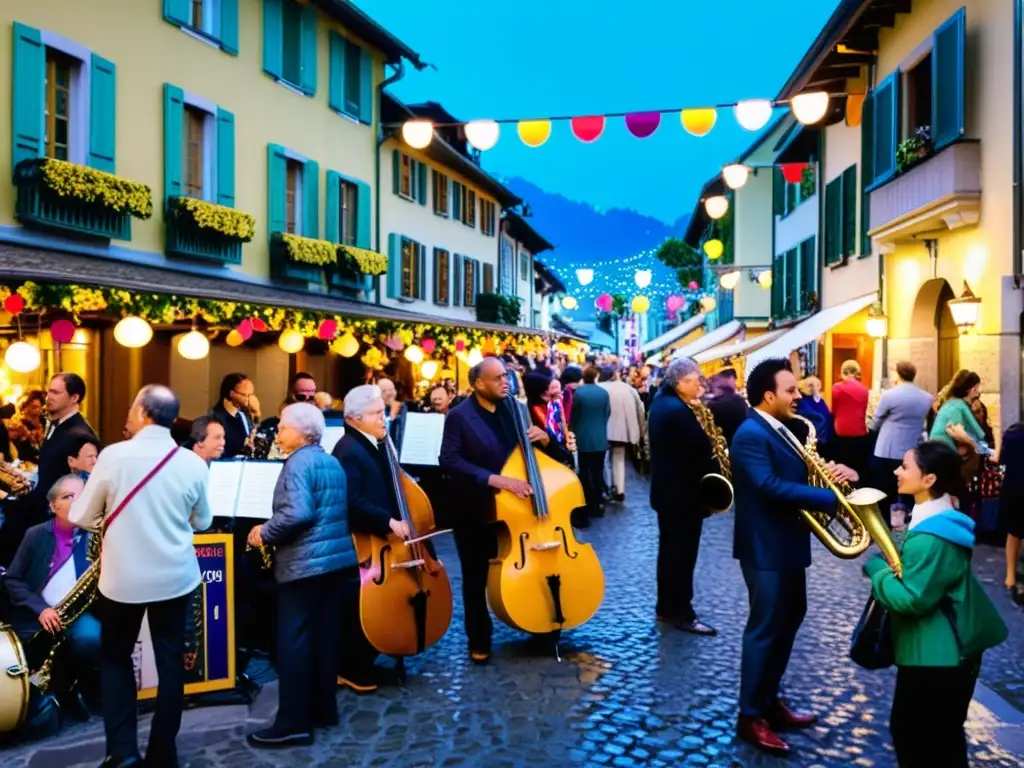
[{"x": 685, "y": 260}]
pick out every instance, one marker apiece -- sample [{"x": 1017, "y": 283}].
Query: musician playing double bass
[{"x": 372, "y": 508}]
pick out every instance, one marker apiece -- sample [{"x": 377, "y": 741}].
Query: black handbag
[{"x": 871, "y": 646}]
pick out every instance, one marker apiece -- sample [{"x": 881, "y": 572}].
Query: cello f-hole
[
  {"x": 565, "y": 543},
  {"x": 522, "y": 551},
  {"x": 383, "y": 565}
]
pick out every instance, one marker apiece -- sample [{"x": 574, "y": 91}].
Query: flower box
[
  {"x": 299, "y": 259},
  {"x": 198, "y": 229},
  {"x": 356, "y": 272}
]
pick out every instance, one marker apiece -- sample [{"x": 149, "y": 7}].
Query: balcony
[
  {"x": 940, "y": 193},
  {"x": 351, "y": 285},
  {"x": 40, "y": 207}
]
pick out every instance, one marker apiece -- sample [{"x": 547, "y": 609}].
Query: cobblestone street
[{"x": 628, "y": 691}]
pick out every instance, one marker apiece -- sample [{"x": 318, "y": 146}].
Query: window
[
  {"x": 199, "y": 148},
  {"x": 841, "y": 236},
  {"x": 351, "y": 84},
  {"x": 409, "y": 177},
  {"x": 787, "y": 197},
  {"x": 289, "y": 44},
  {"x": 293, "y": 196},
  {"x": 347, "y": 219},
  {"x": 464, "y": 202},
  {"x": 524, "y": 265},
  {"x": 59, "y": 71},
  {"x": 487, "y": 219},
  {"x": 293, "y": 189},
  {"x": 192, "y": 153},
  {"x": 469, "y": 278},
  {"x": 410, "y": 269},
  {"x": 406, "y": 187},
  {"x": 507, "y": 268},
  {"x": 212, "y": 21},
  {"x": 407, "y": 267},
  {"x": 918, "y": 97},
  {"x": 442, "y": 276},
  {"x": 348, "y": 196},
  {"x": 441, "y": 186},
  {"x": 488, "y": 278}
]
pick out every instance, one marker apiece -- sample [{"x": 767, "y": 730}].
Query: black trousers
[
  {"x": 476, "y": 546},
  {"x": 678, "y": 543},
  {"x": 120, "y": 625},
  {"x": 592, "y": 478},
  {"x": 308, "y": 636},
  {"x": 928, "y": 714},
  {"x": 355, "y": 656}
]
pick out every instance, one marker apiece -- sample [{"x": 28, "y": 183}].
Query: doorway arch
[{"x": 932, "y": 322}]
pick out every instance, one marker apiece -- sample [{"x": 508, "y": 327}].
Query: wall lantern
[
  {"x": 878, "y": 323},
  {"x": 965, "y": 309}
]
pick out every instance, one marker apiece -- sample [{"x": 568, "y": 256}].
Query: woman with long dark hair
[
  {"x": 942, "y": 620},
  {"x": 955, "y": 409},
  {"x": 544, "y": 401}
]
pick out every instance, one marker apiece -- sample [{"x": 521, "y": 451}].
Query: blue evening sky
[{"x": 535, "y": 58}]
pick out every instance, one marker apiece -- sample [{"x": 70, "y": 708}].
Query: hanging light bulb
[
  {"x": 708, "y": 303},
  {"x": 753, "y": 114},
  {"x": 414, "y": 354},
  {"x": 714, "y": 249},
  {"x": 809, "y": 108},
  {"x": 729, "y": 280},
  {"x": 22, "y": 357},
  {"x": 475, "y": 356},
  {"x": 133, "y": 332},
  {"x": 291, "y": 341},
  {"x": 765, "y": 279},
  {"x": 418, "y": 133},
  {"x": 429, "y": 369},
  {"x": 735, "y": 175},
  {"x": 482, "y": 134},
  {"x": 642, "y": 278},
  {"x": 585, "y": 276},
  {"x": 716, "y": 206},
  {"x": 877, "y": 324},
  {"x": 193, "y": 345},
  {"x": 569, "y": 302}
]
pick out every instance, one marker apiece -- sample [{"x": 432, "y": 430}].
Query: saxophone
[
  {"x": 715, "y": 491},
  {"x": 857, "y": 521},
  {"x": 12, "y": 481}
]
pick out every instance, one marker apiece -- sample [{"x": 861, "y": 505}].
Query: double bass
[
  {"x": 543, "y": 579},
  {"x": 405, "y": 598}
]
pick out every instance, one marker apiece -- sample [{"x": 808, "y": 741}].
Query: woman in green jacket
[
  {"x": 942, "y": 620},
  {"x": 955, "y": 409}
]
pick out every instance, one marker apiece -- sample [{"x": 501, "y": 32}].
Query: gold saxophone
[
  {"x": 715, "y": 491},
  {"x": 857, "y": 521},
  {"x": 13, "y": 482}
]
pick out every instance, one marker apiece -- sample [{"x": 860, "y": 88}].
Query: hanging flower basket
[
  {"x": 301, "y": 259},
  {"x": 198, "y": 229}
]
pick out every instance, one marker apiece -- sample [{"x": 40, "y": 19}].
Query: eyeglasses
[{"x": 303, "y": 397}]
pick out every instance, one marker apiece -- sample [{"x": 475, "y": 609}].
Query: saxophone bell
[{"x": 714, "y": 492}]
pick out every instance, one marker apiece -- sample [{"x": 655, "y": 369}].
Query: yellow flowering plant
[
  {"x": 210, "y": 217},
  {"x": 308, "y": 250},
  {"x": 361, "y": 260},
  {"x": 90, "y": 186}
]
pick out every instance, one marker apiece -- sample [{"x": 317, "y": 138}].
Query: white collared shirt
[
  {"x": 779, "y": 427},
  {"x": 929, "y": 509},
  {"x": 370, "y": 438},
  {"x": 52, "y": 425}
]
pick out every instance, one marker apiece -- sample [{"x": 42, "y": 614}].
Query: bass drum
[{"x": 14, "y": 681}]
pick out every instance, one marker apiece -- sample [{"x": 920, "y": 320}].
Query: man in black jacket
[{"x": 63, "y": 405}]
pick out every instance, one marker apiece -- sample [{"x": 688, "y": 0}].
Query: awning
[
  {"x": 720, "y": 335},
  {"x": 739, "y": 348},
  {"x": 811, "y": 328},
  {"x": 673, "y": 334}
]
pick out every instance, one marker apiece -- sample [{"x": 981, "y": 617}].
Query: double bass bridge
[{"x": 409, "y": 564}]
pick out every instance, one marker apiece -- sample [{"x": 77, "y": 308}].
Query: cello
[
  {"x": 405, "y": 597},
  {"x": 543, "y": 579}
]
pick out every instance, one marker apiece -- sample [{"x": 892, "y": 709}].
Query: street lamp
[
  {"x": 878, "y": 324},
  {"x": 965, "y": 309}
]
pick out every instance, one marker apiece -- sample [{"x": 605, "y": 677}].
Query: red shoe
[
  {"x": 757, "y": 731},
  {"x": 783, "y": 718}
]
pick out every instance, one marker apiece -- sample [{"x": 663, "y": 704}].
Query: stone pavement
[{"x": 628, "y": 692}]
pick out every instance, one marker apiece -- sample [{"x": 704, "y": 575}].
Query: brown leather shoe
[
  {"x": 757, "y": 731},
  {"x": 783, "y": 718}
]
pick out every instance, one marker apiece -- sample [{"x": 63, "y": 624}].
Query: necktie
[{"x": 49, "y": 430}]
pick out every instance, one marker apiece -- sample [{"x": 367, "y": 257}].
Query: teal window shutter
[
  {"x": 866, "y": 173},
  {"x": 311, "y": 199},
  {"x": 364, "y": 209},
  {"x": 174, "y": 116},
  {"x": 177, "y": 12},
  {"x": 850, "y": 196},
  {"x": 336, "y": 84},
  {"x": 886, "y": 127},
  {"x": 808, "y": 274},
  {"x": 277, "y": 169},
  {"x": 102, "y": 114},
  {"x": 833, "y": 221},
  {"x": 421, "y": 183},
  {"x": 456, "y": 200},
  {"x": 225, "y": 158},
  {"x": 229, "y": 26},
  {"x": 777, "y": 280},
  {"x": 778, "y": 192},
  {"x": 421, "y": 256},
  {"x": 394, "y": 266},
  {"x": 365, "y": 87},
  {"x": 396, "y": 170},
  {"x": 309, "y": 61},
  {"x": 273, "y": 38},
  {"x": 29, "y": 92},
  {"x": 950, "y": 43},
  {"x": 332, "y": 208},
  {"x": 457, "y": 287}
]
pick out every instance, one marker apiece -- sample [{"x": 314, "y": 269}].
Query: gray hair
[
  {"x": 307, "y": 418},
  {"x": 159, "y": 403},
  {"x": 54, "y": 492},
  {"x": 360, "y": 398},
  {"x": 678, "y": 370}
]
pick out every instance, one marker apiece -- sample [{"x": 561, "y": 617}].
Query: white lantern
[
  {"x": 585, "y": 276},
  {"x": 482, "y": 134},
  {"x": 22, "y": 357},
  {"x": 735, "y": 175},
  {"x": 753, "y": 114},
  {"x": 429, "y": 369},
  {"x": 730, "y": 280},
  {"x": 569, "y": 302},
  {"x": 877, "y": 326},
  {"x": 475, "y": 356},
  {"x": 414, "y": 354},
  {"x": 193, "y": 346},
  {"x": 809, "y": 108},
  {"x": 765, "y": 279},
  {"x": 642, "y": 278},
  {"x": 418, "y": 133},
  {"x": 716, "y": 206},
  {"x": 291, "y": 341},
  {"x": 964, "y": 310},
  {"x": 133, "y": 332},
  {"x": 708, "y": 303}
]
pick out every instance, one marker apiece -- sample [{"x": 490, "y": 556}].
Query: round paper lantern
[
  {"x": 640, "y": 304},
  {"x": 708, "y": 303},
  {"x": 674, "y": 303},
  {"x": 793, "y": 173},
  {"x": 482, "y": 134},
  {"x": 22, "y": 357},
  {"x": 643, "y": 124},
  {"x": 587, "y": 129},
  {"x": 193, "y": 346},
  {"x": 809, "y": 108},
  {"x": 765, "y": 279},
  {"x": 417, "y": 133},
  {"x": 714, "y": 249},
  {"x": 62, "y": 331},
  {"x": 291, "y": 341},
  {"x": 133, "y": 332},
  {"x": 234, "y": 338},
  {"x": 428, "y": 345},
  {"x": 569, "y": 302},
  {"x": 693, "y": 285},
  {"x": 429, "y": 369},
  {"x": 753, "y": 114},
  {"x": 735, "y": 175},
  {"x": 347, "y": 345},
  {"x": 604, "y": 302},
  {"x": 328, "y": 329},
  {"x": 245, "y": 329},
  {"x": 533, "y": 133},
  {"x": 414, "y": 354},
  {"x": 729, "y": 280},
  {"x": 475, "y": 356},
  {"x": 698, "y": 122},
  {"x": 259, "y": 325},
  {"x": 716, "y": 206},
  {"x": 14, "y": 304},
  {"x": 585, "y": 276},
  {"x": 642, "y": 278},
  {"x": 460, "y": 343}
]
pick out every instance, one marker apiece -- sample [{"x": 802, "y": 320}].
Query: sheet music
[
  {"x": 331, "y": 437},
  {"x": 256, "y": 492},
  {"x": 222, "y": 491},
  {"x": 421, "y": 444}
]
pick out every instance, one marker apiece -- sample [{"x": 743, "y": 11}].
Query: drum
[{"x": 14, "y": 681}]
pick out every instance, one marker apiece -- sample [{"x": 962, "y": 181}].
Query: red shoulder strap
[{"x": 131, "y": 494}]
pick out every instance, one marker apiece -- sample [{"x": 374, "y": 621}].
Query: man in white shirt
[{"x": 148, "y": 567}]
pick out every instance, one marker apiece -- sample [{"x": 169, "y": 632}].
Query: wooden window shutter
[
  {"x": 364, "y": 209},
  {"x": 29, "y": 83},
  {"x": 948, "y": 49},
  {"x": 102, "y": 114},
  {"x": 886, "y": 128},
  {"x": 421, "y": 259},
  {"x": 394, "y": 266},
  {"x": 833, "y": 222},
  {"x": 777, "y": 281},
  {"x": 456, "y": 201},
  {"x": 225, "y": 158},
  {"x": 336, "y": 76},
  {"x": 177, "y": 12},
  {"x": 792, "y": 288},
  {"x": 311, "y": 199},
  {"x": 229, "y": 26},
  {"x": 778, "y": 192},
  {"x": 332, "y": 208},
  {"x": 273, "y": 38},
  {"x": 867, "y": 175},
  {"x": 174, "y": 116},
  {"x": 365, "y": 87},
  {"x": 850, "y": 196},
  {"x": 421, "y": 183},
  {"x": 277, "y": 170},
  {"x": 308, "y": 48},
  {"x": 808, "y": 274},
  {"x": 457, "y": 280}
]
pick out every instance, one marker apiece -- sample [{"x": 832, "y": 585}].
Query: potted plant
[{"x": 914, "y": 149}]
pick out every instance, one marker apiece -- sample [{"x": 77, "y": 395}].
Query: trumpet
[{"x": 715, "y": 490}]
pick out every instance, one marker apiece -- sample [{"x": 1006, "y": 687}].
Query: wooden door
[{"x": 853, "y": 346}]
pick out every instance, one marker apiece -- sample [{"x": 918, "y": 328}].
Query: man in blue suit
[{"x": 773, "y": 545}]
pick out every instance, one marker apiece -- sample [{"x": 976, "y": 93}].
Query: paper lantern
[
  {"x": 414, "y": 354},
  {"x": 328, "y": 329},
  {"x": 62, "y": 331},
  {"x": 133, "y": 332},
  {"x": 708, "y": 303},
  {"x": 698, "y": 122},
  {"x": 14, "y": 304},
  {"x": 640, "y": 304},
  {"x": 765, "y": 279},
  {"x": 460, "y": 343},
  {"x": 809, "y": 108},
  {"x": 395, "y": 343},
  {"x": 674, "y": 303},
  {"x": 729, "y": 280},
  {"x": 258, "y": 325},
  {"x": 753, "y": 114},
  {"x": 429, "y": 369},
  {"x": 587, "y": 129},
  {"x": 22, "y": 357},
  {"x": 693, "y": 285},
  {"x": 714, "y": 249},
  {"x": 735, "y": 175},
  {"x": 291, "y": 341},
  {"x": 585, "y": 276},
  {"x": 793, "y": 173},
  {"x": 475, "y": 356},
  {"x": 482, "y": 134},
  {"x": 234, "y": 338},
  {"x": 347, "y": 345},
  {"x": 193, "y": 346},
  {"x": 642, "y": 278},
  {"x": 643, "y": 124},
  {"x": 417, "y": 133},
  {"x": 569, "y": 302},
  {"x": 533, "y": 133},
  {"x": 428, "y": 345},
  {"x": 245, "y": 329},
  {"x": 716, "y": 206},
  {"x": 604, "y": 302}
]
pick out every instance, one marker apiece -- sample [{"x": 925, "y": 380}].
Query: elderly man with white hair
[{"x": 313, "y": 556}]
